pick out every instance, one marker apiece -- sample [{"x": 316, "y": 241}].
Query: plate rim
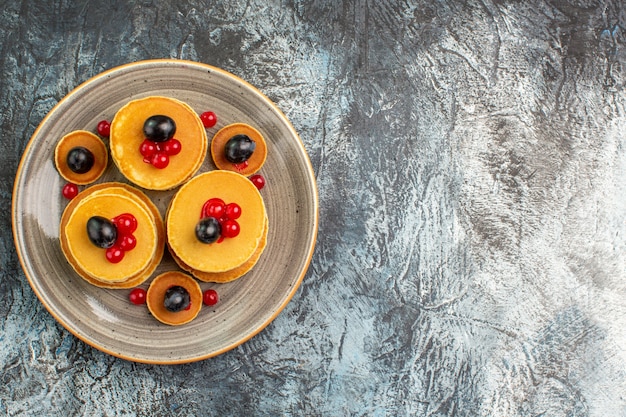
[{"x": 22, "y": 257}]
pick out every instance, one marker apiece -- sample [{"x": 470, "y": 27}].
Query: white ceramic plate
[{"x": 106, "y": 319}]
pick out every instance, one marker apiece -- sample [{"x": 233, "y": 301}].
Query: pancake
[
  {"x": 89, "y": 141},
  {"x": 185, "y": 211},
  {"x": 127, "y": 136},
  {"x": 156, "y": 296},
  {"x": 133, "y": 278},
  {"x": 256, "y": 160}
]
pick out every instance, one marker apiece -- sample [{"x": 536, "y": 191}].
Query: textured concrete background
[{"x": 471, "y": 160}]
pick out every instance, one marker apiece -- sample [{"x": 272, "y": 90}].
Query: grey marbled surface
[{"x": 470, "y": 158}]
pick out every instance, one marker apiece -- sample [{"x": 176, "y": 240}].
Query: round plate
[{"x": 106, "y": 319}]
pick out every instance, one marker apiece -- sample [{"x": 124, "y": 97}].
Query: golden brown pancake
[
  {"x": 88, "y": 141},
  {"x": 141, "y": 200},
  {"x": 127, "y": 135},
  {"x": 253, "y": 164},
  {"x": 156, "y": 296},
  {"x": 185, "y": 211}
]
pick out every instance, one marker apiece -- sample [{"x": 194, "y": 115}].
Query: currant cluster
[
  {"x": 218, "y": 220},
  {"x": 160, "y": 143},
  {"x": 115, "y": 235}
]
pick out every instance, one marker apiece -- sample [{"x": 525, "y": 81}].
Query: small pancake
[
  {"x": 142, "y": 200},
  {"x": 253, "y": 164},
  {"x": 185, "y": 210},
  {"x": 156, "y": 296},
  {"x": 89, "y": 141},
  {"x": 127, "y": 135}
]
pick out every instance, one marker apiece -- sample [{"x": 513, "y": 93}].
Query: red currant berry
[
  {"x": 126, "y": 223},
  {"x": 104, "y": 128},
  {"x": 209, "y": 119},
  {"x": 210, "y": 297},
  {"x": 160, "y": 160},
  {"x": 69, "y": 190},
  {"x": 114, "y": 254},
  {"x": 230, "y": 228},
  {"x": 214, "y": 207},
  {"x": 171, "y": 146},
  {"x": 232, "y": 211},
  {"x": 258, "y": 181},
  {"x": 127, "y": 242},
  {"x": 147, "y": 148},
  {"x": 137, "y": 296},
  {"x": 241, "y": 166}
]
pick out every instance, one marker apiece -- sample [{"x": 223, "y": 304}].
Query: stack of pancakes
[
  {"x": 232, "y": 257},
  {"x": 110, "y": 200}
]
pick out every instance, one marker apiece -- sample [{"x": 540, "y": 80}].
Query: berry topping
[
  {"x": 137, "y": 296},
  {"x": 159, "y": 128},
  {"x": 158, "y": 153},
  {"x": 210, "y": 297},
  {"x": 232, "y": 211},
  {"x": 258, "y": 181},
  {"x": 126, "y": 223},
  {"x": 69, "y": 190},
  {"x": 114, "y": 254},
  {"x": 239, "y": 148},
  {"x": 115, "y": 235},
  {"x": 102, "y": 232},
  {"x": 176, "y": 299},
  {"x": 230, "y": 228},
  {"x": 104, "y": 128},
  {"x": 241, "y": 166},
  {"x": 147, "y": 149},
  {"x": 214, "y": 207},
  {"x": 127, "y": 242},
  {"x": 160, "y": 160},
  {"x": 208, "y": 230},
  {"x": 209, "y": 119},
  {"x": 222, "y": 214},
  {"x": 80, "y": 160},
  {"x": 171, "y": 146}
]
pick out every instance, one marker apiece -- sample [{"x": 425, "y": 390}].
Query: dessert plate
[{"x": 105, "y": 319}]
